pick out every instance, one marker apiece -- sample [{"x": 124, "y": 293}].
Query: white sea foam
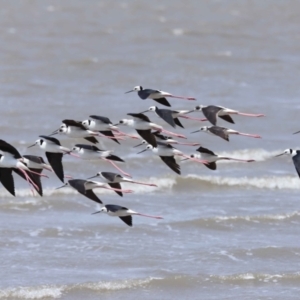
[
  {"x": 56, "y": 291},
  {"x": 265, "y": 182}
]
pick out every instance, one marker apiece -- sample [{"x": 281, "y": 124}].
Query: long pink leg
[
  {"x": 117, "y": 190},
  {"x": 181, "y": 97},
  {"x": 42, "y": 175},
  {"x": 256, "y": 136},
  {"x": 149, "y": 216},
  {"x": 251, "y": 115},
  {"x": 126, "y": 174},
  {"x": 143, "y": 183},
  {"x": 29, "y": 180},
  {"x": 68, "y": 176},
  {"x": 72, "y": 154},
  {"x": 237, "y": 159},
  {"x": 192, "y": 118},
  {"x": 172, "y": 133},
  {"x": 110, "y": 137},
  {"x": 129, "y": 135},
  {"x": 188, "y": 144}
]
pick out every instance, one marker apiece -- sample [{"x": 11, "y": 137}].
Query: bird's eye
[
  {"x": 192, "y": 155},
  {"x": 121, "y": 122}
]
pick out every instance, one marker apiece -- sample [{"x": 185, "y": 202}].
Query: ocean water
[{"x": 232, "y": 233}]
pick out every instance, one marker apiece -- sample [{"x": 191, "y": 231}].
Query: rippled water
[{"x": 226, "y": 234}]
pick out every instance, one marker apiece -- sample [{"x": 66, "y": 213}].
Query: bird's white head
[
  {"x": 102, "y": 209},
  {"x": 138, "y": 88},
  {"x": 124, "y": 122},
  {"x": 38, "y": 142},
  {"x": 86, "y": 123},
  {"x": 204, "y": 128},
  {"x": 198, "y": 107},
  {"x": 152, "y": 108},
  {"x": 75, "y": 149}
]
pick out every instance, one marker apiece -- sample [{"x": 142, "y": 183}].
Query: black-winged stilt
[
  {"x": 54, "y": 153},
  {"x": 167, "y": 152},
  {"x": 11, "y": 160},
  {"x": 295, "y": 156},
  {"x": 212, "y": 158},
  {"x": 85, "y": 187},
  {"x": 75, "y": 129},
  {"x": 114, "y": 179},
  {"x": 123, "y": 213},
  {"x": 223, "y": 132},
  {"x": 156, "y": 95},
  {"x": 211, "y": 112},
  {"x": 91, "y": 152}
]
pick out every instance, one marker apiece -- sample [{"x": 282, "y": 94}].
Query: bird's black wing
[
  {"x": 115, "y": 208},
  {"x": 296, "y": 161},
  {"x": 211, "y": 165},
  {"x": 114, "y": 158},
  {"x": 6, "y": 147},
  {"x": 78, "y": 184},
  {"x": 205, "y": 150},
  {"x": 116, "y": 185},
  {"x": 127, "y": 220},
  {"x": 109, "y": 133},
  {"x": 166, "y": 115},
  {"x": 51, "y": 139},
  {"x": 210, "y": 112},
  {"x": 73, "y": 123},
  {"x": 227, "y": 118},
  {"x": 171, "y": 163},
  {"x": 148, "y": 136},
  {"x": 88, "y": 147},
  {"x": 177, "y": 122},
  {"x": 145, "y": 93},
  {"x": 139, "y": 116},
  {"x": 159, "y": 135},
  {"x": 102, "y": 119},
  {"x": 7, "y": 180},
  {"x": 91, "y": 139},
  {"x": 162, "y": 101},
  {"x": 110, "y": 176},
  {"x": 91, "y": 195},
  {"x": 219, "y": 131},
  {"x": 55, "y": 160}
]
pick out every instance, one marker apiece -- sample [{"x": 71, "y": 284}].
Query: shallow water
[{"x": 228, "y": 234}]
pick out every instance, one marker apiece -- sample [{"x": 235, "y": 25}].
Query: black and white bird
[
  {"x": 212, "y": 158},
  {"x": 211, "y": 112},
  {"x": 167, "y": 152},
  {"x": 54, "y": 153},
  {"x": 91, "y": 152},
  {"x": 295, "y": 154},
  {"x": 85, "y": 187},
  {"x": 166, "y": 139},
  {"x": 156, "y": 95},
  {"x": 168, "y": 115},
  {"x": 114, "y": 180},
  {"x": 123, "y": 213},
  {"x": 75, "y": 129},
  {"x": 11, "y": 160},
  {"x": 101, "y": 124},
  {"x": 142, "y": 124},
  {"x": 224, "y": 133}
]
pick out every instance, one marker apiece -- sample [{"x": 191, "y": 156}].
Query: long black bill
[{"x": 129, "y": 91}]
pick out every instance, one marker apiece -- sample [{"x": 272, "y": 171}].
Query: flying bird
[
  {"x": 114, "y": 180},
  {"x": 223, "y": 132},
  {"x": 123, "y": 213},
  {"x": 295, "y": 154},
  {"x": 156, "y": 95},
  {"x": 211, "y": 112}
]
